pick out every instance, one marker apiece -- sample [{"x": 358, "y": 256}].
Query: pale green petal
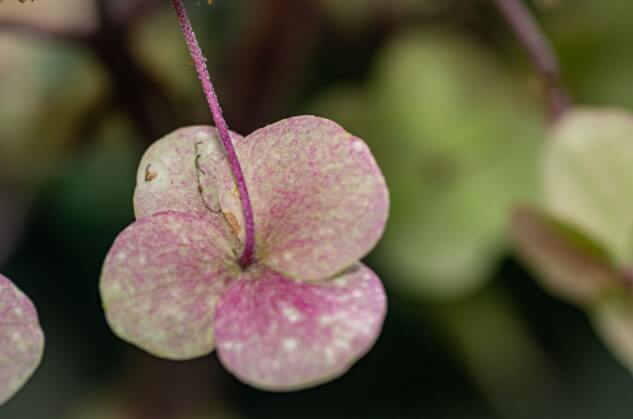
[{"x": 588, "y": 176}]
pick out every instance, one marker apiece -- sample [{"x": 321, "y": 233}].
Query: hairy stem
[
  {"x": 540, "y": 51},
  {"x": 212, "y": 99}
]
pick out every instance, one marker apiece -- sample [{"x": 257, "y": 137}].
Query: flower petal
[
  {"x": 21, "y": 339},
  {"x": 319, "y": 199},
  {"x": 170, "y": 175},
  {"x": 279, "y": 334},
  {"x": 588, "y": 177},
  {"x": 162, "y": 279},
  {"x": 612, "y": 319},
  {"x": 569, "y": 263}
]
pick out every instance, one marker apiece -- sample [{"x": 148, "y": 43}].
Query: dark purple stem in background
[
  {"x": 540, "y": 51},
  {"x": 212, "y": 99}
]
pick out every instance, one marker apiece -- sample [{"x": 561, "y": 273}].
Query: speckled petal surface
[
  {"x": 319, "y": 199},
  {"x": 21, "y": 339},
  {"x": 278, "y": 334},
  {"x": 170, "y": 175},
  {"x": 161, "y": 281}
]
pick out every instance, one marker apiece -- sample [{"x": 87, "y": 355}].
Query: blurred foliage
[
  {"x": 105, "y": 171},
  {"x": 45, "y": 93},
  {"x": 117, "y": 405},
  {"x": 357, "y": 14},
  {"x": 613, "y": 320},
  {"x": 159, "y": 45},
  {"x": 588, "y": 178},
  {"x": 14, "y": 209},
  {"x": 587, "y": 183},
  {"x": 458, "y": 140},
  {"x": 593, "y": 39},
  {"x": 60, "y": 14}
]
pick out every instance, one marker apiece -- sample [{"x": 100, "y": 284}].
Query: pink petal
[
  {"x": 170, "y": 176},
  {"x": 319, "y": 198},
  {"x": 21, "y": 339},
  {"x": 161, "y": 281},
  {"x": 279, "y": 334}
]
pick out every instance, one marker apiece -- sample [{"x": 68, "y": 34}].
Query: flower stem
[
  {"x": 212, "y": 99},
  {"x": 540, "y": 51}
]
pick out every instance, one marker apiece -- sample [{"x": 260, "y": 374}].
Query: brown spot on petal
[
  {"x": 149, "y": 175},
  {"x": 232, "y": 220}
]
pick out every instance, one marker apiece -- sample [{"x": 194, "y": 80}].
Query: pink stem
[
  {"x": 540, "y": 51},
  {"x": 212, "y": 99}
]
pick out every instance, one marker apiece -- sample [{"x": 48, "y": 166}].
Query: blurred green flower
[
  {"x": 588, "y": 176},
  {"x": 580, "y": 244},
  {"x": 458, "y": 140}
]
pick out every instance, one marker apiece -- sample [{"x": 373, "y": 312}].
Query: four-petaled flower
[
  {"x": 21, "y": 339},
  {"x": 305, "y": 310}
]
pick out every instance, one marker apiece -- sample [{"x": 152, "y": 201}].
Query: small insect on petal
[
  {"x": 149, "y": 175},
  {"x": 171, "y": 175}
]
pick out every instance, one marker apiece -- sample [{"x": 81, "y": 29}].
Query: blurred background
[{"x": 450, "y": 107}]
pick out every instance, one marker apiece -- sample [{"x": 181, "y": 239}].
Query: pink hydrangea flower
[
  {"x": 21, "y": 339},
  {"x": 305, "y": 309}
]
